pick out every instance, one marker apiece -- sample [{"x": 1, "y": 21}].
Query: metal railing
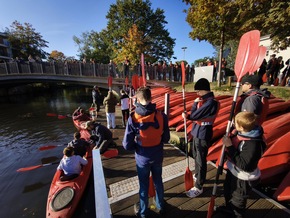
[{"x": 154, "y": 72}]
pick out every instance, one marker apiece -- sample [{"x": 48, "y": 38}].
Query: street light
[{"x": 184, "y": 48}]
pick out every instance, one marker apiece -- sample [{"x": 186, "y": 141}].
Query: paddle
[
  {"x": 59, "y": 116},
  {"x": 188, "y": 179},
  {"x": 35, "y": 167},
  {"x": 143, "y": 70},
  {"x": 247, "y": 53},
  {"x": 258, "y": 61},
  {"x": 110, "y": 82},
  {"x": 107, "y": 154}
]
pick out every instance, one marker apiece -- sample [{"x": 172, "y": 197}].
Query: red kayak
[
  {"x": 283, "y": 191},
  {"x": 276, "y": 160},
  {"x": 64, "y": 196}
]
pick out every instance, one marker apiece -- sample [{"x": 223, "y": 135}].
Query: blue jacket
[
  {"x": 209, "y": 108},
  {"x": 145, "y": 155}
]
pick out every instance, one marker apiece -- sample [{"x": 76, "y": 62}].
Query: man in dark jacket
[
  {"x": 146, "y": 132},
  {"x": 101, "y": 135}
]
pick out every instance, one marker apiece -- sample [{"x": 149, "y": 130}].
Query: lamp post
[{"x": 184, "y": 48}]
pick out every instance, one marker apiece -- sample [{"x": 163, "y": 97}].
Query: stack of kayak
[{"x": 275, "y": 163}]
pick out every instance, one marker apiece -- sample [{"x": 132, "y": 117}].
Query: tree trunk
[{"x": 220, "y": 58}]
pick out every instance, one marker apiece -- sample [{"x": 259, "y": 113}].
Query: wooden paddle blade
[
  {"x": 188, "y": 179},
  {"x": 47, "y": 147},
  {"x": 259, "y": 59},
  {"x": 151, "y": 190},
  {"x": 183, "y": 74},
  {"x": 210, "y": 207},
  {"x": 111, "y": 153},
  {"x": 51, "y": 115},
  {"x": 29, "y": 168},
  {"x": 247, "y": 52}
]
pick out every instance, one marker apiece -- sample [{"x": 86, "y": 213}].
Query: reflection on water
[{"x": 25, "y": 127}]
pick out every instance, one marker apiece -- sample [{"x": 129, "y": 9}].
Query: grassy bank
[{"x": 277, "y": 91}]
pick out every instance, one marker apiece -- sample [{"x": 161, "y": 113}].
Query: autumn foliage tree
[
  {"x": 57, "y": 55},
  {"x": 26, "y": 41}
]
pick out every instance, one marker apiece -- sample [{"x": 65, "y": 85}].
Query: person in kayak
[
  {"x": 203, "y": 113},
  {"x": 79, "y": 144},
  {"x": 101, "y": 136},
  {"x": 71, "y": 164},
  {"x": 79, "y": 114},
  {"x": 243, "y": 152},
  {"x": 146, "y": 132}
]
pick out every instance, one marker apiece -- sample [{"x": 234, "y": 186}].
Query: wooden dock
[{"x": 121, "y": 179}]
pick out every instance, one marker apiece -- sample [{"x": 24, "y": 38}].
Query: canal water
[{"x": 24, "y": 128}]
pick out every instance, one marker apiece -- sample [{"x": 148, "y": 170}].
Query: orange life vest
[{"x": 150, "y": 128}]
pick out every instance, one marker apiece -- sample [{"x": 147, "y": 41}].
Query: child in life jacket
[
  {"x": 203, "y": 113},
  {"x": 71, "y": 164},
  {"x": 243, "y": 151}
]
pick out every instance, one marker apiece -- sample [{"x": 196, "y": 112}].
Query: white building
[{"x": 265, "y": 41}]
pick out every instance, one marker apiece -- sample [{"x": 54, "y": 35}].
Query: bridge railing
[{"x": 153, "y": 72}]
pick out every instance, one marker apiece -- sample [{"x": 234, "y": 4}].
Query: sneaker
[
  {"x": 194, "y": 178},
  {"x": 224, "y": 210},
  {"x": 159, "y": 211},
  {"x": 136, "y": 209},
  {"x": 194, "y": 192}
]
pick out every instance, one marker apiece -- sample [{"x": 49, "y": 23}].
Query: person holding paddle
[
  {"x": 203, "y": 114},
  {"x": 243, "y": 152},
  {"x": 146, "y": 132}
]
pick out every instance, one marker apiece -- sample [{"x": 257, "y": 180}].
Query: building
[
  {"x": 265, "y": 41},
  {"x": 5, "y": 48}
]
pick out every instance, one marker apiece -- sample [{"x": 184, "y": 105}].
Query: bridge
[{"x": 89, "y": 74}]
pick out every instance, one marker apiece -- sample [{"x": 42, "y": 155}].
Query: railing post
[
  {"x": 16, "y": 63},
  {"x": 80, "y": 64},
  {"x": 6, "y": 68},
  {"x": 166, "y": 106},
  {"x": 94, "y": 69},
  {"x": 53, "y": 67},
  {"x": 41, "y": 68},
  {"x": 29, "y": 67}
]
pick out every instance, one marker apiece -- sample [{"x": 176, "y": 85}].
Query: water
[{"x": 25, "y": 127}]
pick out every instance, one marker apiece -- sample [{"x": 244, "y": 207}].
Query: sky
[{"x": 59, "y": 20}]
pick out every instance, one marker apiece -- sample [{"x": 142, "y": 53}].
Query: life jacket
[
  {"x": 265, "y": 106},
  {"x": 149, "y": 128},
  {"x": 208, "y": 120},
  {"x": 238, "y": 142}
]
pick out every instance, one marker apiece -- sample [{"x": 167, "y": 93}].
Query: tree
[
  {"x": 126, "y": 13},
  {"x": 57, "y": 55},
  {"x": 123, "y": 17},
  {"x": 221, "y": 21},
  {"x": 131, "y": 47},
  {"x": 26, "y": 41},
  {"x": 94, "y": 45}
]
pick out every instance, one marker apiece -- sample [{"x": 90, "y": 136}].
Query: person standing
[
  {"x": 126, "y": 67},
  {"x": 97, "y": 97},
  {"x": 124, "y": 106},
  {"x": 203, "y": 113},
  {"x": 271, "y": 68},
  {"x": 110, "y": 103},
  {"x": 144, "y": 123},
  {"x": 243, "y": 152},
  {"x": 253, "y": 99}
]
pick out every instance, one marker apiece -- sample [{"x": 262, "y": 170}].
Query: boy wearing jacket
[
  {"x": 203, "y": 114},
  {"x": 146, "y": 132},
  {"x": 243, "y": 151}
]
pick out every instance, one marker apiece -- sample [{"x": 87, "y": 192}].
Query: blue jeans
[{"x": 143, "y": 175}]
